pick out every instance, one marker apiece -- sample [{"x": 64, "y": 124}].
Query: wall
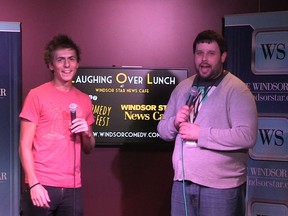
[{"x": 153, "y": 33}]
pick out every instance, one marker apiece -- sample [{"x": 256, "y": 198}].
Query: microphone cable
[
  {"x": 74, "y": 177},
  {"x": 194, "y": 95},
  {"x": 73, "y": 108},
  {"x": 183, "y": 179}
]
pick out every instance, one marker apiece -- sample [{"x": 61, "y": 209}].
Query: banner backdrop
[
  {"x": 258, "y": 54},
  {"x": 10, "y": 98}
]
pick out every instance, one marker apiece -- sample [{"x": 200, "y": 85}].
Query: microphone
[
  {"x": 73, "y": 108},
  {"x": 193, "y": 95}
]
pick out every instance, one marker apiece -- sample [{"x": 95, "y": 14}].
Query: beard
[{"x": 213, "y": 73}]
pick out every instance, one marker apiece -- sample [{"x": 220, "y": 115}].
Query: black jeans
[{"x": 64, "y": 202}]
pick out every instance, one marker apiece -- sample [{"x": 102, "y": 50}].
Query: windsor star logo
[
  {"x": 270, "y": 51},
  {"x": 272, "y": 139}
]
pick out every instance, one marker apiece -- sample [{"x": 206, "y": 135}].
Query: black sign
[{"x": 128, "y": 102}]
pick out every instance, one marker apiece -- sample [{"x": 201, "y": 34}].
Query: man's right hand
[{"x": 182, "y": 115}]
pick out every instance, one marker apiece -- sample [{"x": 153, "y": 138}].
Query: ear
[
  {"x": 223, "y": 57},
  {"x": 51, "y": 67}
]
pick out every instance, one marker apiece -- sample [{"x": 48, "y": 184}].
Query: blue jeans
[
  {"x": 62, "y": 203},
  {"x": 205, "y": 201}
]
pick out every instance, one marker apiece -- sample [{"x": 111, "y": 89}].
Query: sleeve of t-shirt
[
  {"x": 90, "y": 117},
  {"x": 31, "y": 108}
]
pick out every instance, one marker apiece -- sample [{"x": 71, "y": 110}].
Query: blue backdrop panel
[
  {"x": 10, "y": 101},
  {"x": 258, "y": 54}
]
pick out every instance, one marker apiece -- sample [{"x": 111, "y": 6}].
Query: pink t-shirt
[{"x": 56, "y": 157}]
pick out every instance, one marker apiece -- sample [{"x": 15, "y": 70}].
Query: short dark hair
[
  {"x": 209, "y": 36},
  {"x": 58, "y": 42}
]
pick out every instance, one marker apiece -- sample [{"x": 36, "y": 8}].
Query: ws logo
[
  {"x": 272, "y": 136},
  {"x": 270, "y": 51},
  {"x": 274, "y": 51},
  {"x": 272, "y": 141}
]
